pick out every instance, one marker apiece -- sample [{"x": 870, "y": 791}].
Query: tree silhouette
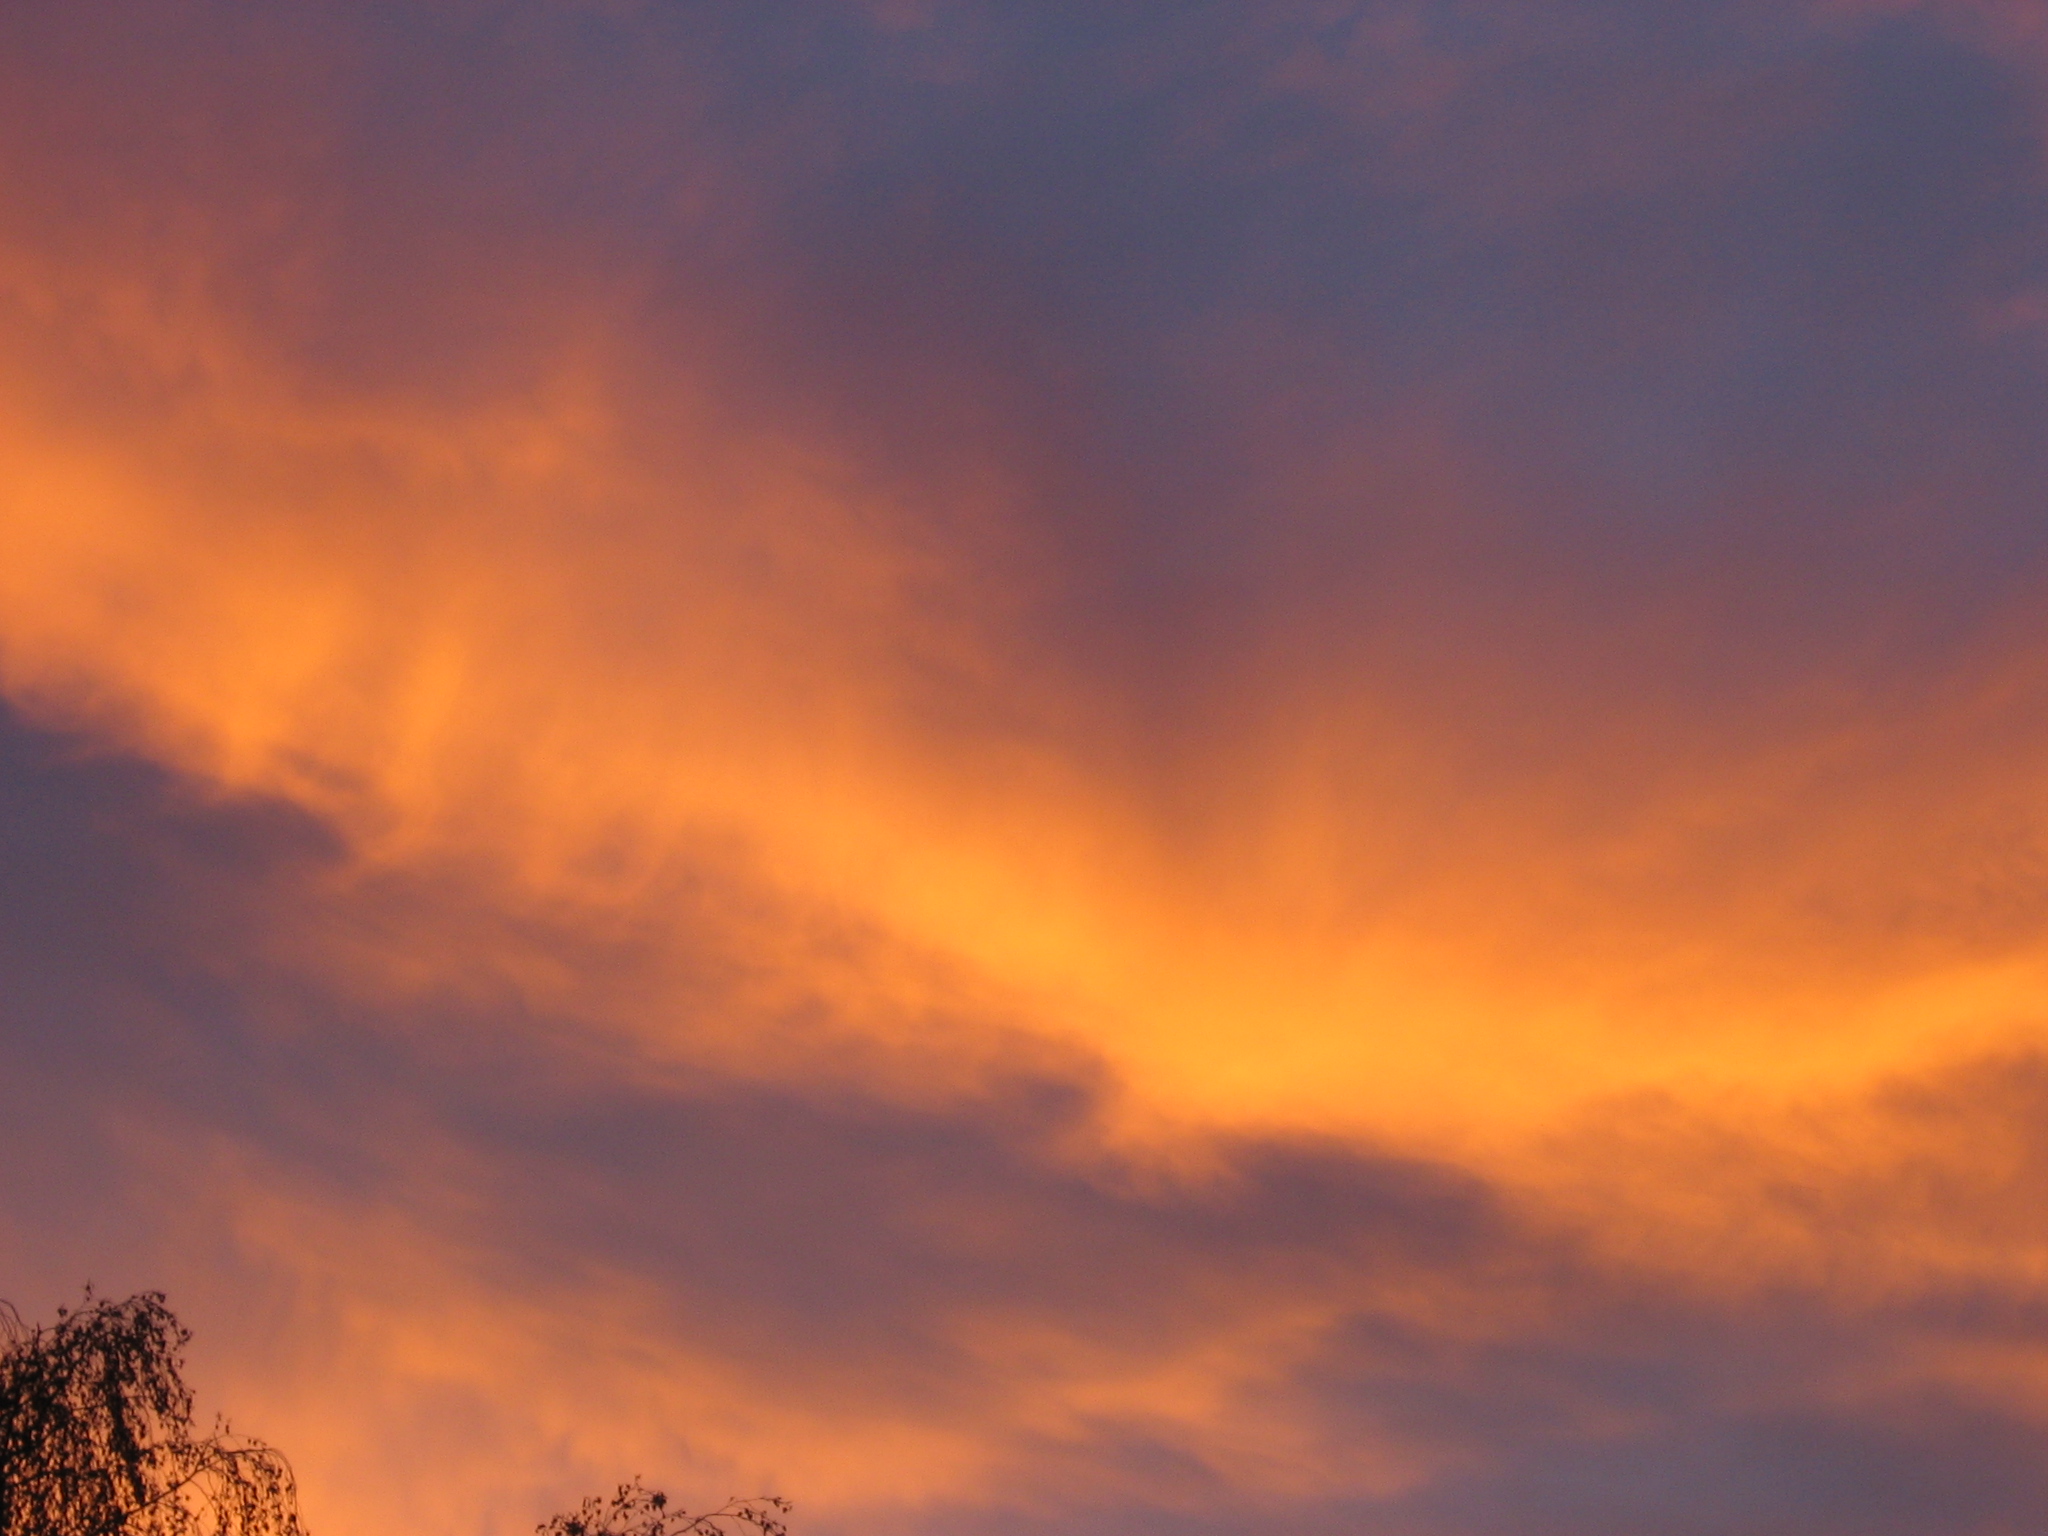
[
  {"x": 638, "y": 1511},
  {"x": 96, "y": 1434},
  {"x": 96, "y": 1440}
]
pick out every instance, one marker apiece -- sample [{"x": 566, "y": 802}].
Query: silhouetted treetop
[
  {"x": 638, "y": 1511},
  {"x": 96, "y": 1434}
]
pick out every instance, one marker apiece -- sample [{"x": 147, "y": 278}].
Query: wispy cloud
[{"x": 1084, "y": 766}]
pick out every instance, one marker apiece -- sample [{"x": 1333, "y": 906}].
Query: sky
[{"x": 1179, "y": 768}]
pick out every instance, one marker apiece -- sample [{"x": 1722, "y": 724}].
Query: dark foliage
[
  {"x": 96, "y": 1435},
  {"x": 638, "y": 1511}
]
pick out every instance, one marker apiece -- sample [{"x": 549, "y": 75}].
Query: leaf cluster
[
  {"x": 638, "y": 1511},
  {"x": 96, "y": 1435}
]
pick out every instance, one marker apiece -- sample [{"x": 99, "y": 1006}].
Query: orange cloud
[{"x": 1336, "y": 726}]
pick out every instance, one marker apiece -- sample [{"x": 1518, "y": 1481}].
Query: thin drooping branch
[{"x": 96, "y": 1435}]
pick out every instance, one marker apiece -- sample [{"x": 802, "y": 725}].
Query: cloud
[
  {"x": 498, "y": 1258},
  {"x": 1043, "y": 766}
]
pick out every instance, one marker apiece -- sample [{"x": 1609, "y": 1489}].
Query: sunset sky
[{"x": 1124, "y": 769}]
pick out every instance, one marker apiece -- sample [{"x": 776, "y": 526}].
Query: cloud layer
[{"x": 1085, "y": 767}]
